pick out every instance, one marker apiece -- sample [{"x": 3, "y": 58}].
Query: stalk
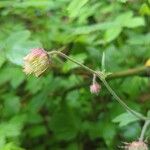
[{"x": 102, "y": 78}]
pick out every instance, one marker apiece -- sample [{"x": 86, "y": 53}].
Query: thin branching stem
[
  {"x": 145, "y": 126},
  {"x": 102, "y": 78}
]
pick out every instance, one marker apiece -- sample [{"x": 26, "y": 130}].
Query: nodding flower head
[
  {"x": 136, "y": 145},
  {"x": 36, "y": 62},
  {"x": 95, "y": 87}
]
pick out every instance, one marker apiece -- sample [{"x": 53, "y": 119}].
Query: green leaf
[
  {"x": 12, "y": 74},
  {"x": 135, "y": 22},
  {"x": 2, "y": 141},
  {"x": 11, "y": 146},
  {"x": 139, "y": 39},
  {"x": 123, "y": 18},
  {"x": 75, "y": 6},
  {"x": 128, "y": 20},
  {"x": 112, "y": 34},
  {"x": 145, "y": 9},
  {"x": 123, "y": 1},
  {"x": 131, "y": 132},
  {"x": 109, "y": 133},
  {"x": 37, "y": 130},
  {"x": 65, "y": 124},
  {"x": 12, "y": 104},
  {"x": 18, "y": 46},
  {"x": 25, "y": 4},
  {"x": 73, "y": 146},
  {"x": 17, "y": 77},
  {"x": 93, "y": 28},
  {"x": 124, "y": 119},
  {"x": 10, "y": 129}
]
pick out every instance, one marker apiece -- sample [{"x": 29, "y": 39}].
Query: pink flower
[
  {"x": 36, "y": 62},
  {"x": 135, "y": 145},
  {"x": 95, "y": 88}
]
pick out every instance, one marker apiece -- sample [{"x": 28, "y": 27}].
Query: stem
[
  {"x": 146, "y": 124},
  {"x": 144, "y": 71},
  {"x": 138, "y": 115},
  {"x": 102, "y": 78}
]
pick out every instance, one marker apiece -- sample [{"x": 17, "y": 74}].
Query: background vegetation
[{"x": 57, "y": 111}]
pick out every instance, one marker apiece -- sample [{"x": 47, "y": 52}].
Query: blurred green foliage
[{"x": 57, "y": 111}]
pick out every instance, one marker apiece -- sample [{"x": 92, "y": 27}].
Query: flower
[
  {"x": 95, "y": 88},
  {"x": 136, "y": 145},
  {"x": 36, "y": 62}
]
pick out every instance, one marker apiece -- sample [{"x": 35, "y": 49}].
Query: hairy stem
[
  {"x": 142, "y": 71},
  {"x": 102, "y": 78},
  {"x": 146, "y": 124},
  {"x": 122, "y": 103}
]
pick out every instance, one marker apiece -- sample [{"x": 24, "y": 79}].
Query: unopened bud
[
  {"x": 36, "y": 62},
  {"x": 95, "y": 88}
]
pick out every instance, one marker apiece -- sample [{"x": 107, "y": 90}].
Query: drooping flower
[
  {"x": 95, "y": 87},
  {"x": 36, "y": 62},
  {"x": 136, "y": 145}
]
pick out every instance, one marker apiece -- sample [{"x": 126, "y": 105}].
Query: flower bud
[
  {"x": 36, "y": 62},
  {"x": 95, "y": 88},
  {"x": 137, "y": 145}
]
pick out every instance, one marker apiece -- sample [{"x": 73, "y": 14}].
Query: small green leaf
[{"x": 112, "y": 34}]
